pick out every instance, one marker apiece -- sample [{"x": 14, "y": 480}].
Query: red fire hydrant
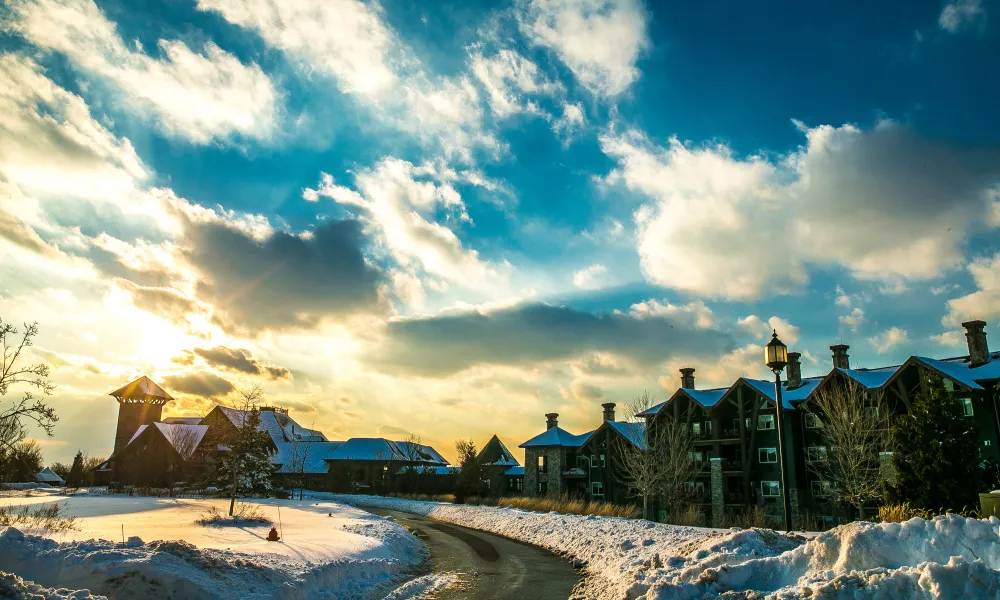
[{"x": 272, "y": 536}]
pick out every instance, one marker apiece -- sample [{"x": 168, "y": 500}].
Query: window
[
  {"x": 543, "y": 488},
  {"x": 697, "y": 457},
  {"x": 696, "y": 429},
  {"x": 767, "y": 455},
  {"x": 695, "y": 488},
  {"x": 820, "y": 489},
  {"x": 603, "y": 461},
  {"x": 816, "y": 454},
  {"x": 948, "y": 385},
  {"x": 708, "y": 428},
  {"x": 597, "y": 489},
  {"x": 967, "y": 406},
  {"x": 515, "y": 484},
  {"x": 770, "y": 489},
  {"x": 813, "y": 421},
  {"x": 987, "y": 442},
  {"x": 543, "y": 466},
  {"x": 765, "y": 422}
]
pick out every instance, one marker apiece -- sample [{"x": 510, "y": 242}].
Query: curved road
[{"x": 491, "y": 567}]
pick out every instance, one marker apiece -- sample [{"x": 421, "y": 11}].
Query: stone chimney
[
  {"x": 551, "y": 420},
  {"x": 609, "y": 411},
  {"x": 687, "y": 378},
  {"x": 794, "y": 370},
  {"x": 979, "y": 352},
  {"x": 840, "y": 358}
]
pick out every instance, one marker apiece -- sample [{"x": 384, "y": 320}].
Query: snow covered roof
[
  {"x": 514, "y": 472},
  {"x": 652, "y": 410},
  {"x": 423, "y": 451},
  {"x": 958, "y": 369},
  {"x": 304, "y": 457},
  {"x": 497, "y": 454},
  {"x": 633, "y": 432},
  {"x": 143, "y": 389},
  {"x": 183, "y": 420},
  {"x": 798, "y": 394},
  {"x": 430, "y": 470},
  {"x": 557, "y": 436},
  {"x": 705, "y": 398},
  {"x": 870, "y": 378},
  {"x": 183, "y": 437},
  {"x": 383, "y": 449},
  {"x": 280, "y": 426},
  {"x": 47, "y": 475},
  {"x": 137, "y": 433}
]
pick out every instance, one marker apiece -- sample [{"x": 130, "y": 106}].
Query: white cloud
[
  {"x": 711, "y": 228},
  {"x": 944, "y": 289},
  {"x": 984, "y": 303},
  {"x": 571, "y": 121},
  {"x": 893, "y": 287},
  {"x": 721, "y": 225},
  {"x": 760, "y": 329},
  {"x": 400, "y": 207},
  {"x": 599, "y": 40},
  {"x": 949, "y": 338},
  {"x": 508, "y": 79},
  {"x": 588, "y": 277},
  {"x": 888, "y": 339},
  {"x": 350, "y": 41},
  {"x": 842, "y": 298},
  {"x": 854, "y": 320},
  {"x": 958, "y": 13},
  {"x": 201, "y": 97},
  {"x": 697, "y": 311}
]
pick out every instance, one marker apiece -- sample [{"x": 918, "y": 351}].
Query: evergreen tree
[
  {"x": 937, "y": 452},
  {"x": 471, "y": 474},
  {"x": 244, "y": 467},
  {"x": 75, "y": 477}
]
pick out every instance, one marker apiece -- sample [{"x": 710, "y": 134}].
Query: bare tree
[
  {"x": 662, "y": 465},
  {"x": 854, "y": 428},
  {"x": 14, "y": 418},
  {"x": 298, "y": 459},
  {"x": 413, "y": 456},
  {"x": 245, "y": 465}
]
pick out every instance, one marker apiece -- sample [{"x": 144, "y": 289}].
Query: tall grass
[
  {"x": 746, "y": 518},
  {"x": 426, "y": 497},
  {"x": 48, "y": 518},
  {"x": 690, "y": 515},
  {"x": 566, "y": 505},
  {"x": 897, "y": 513}
]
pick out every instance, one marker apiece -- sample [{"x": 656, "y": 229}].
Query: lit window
[
  {"x": 813, "y": 421},
  {"x": 708, "y": 427},
  {"x": 697, "y": 457},
  {"x": 542, "y": 464},
  {"x": 967, "y": 406},
  {"x": 816, "y": 454},
  {"x": 765, "y": 422},
  {"x": 987, "y": 442},
  {"x": 696, "y": 428},
  {"x": 770, "y": 489},
  {"x": 603, "y": 461},
  {"x": 767, "y": 455},
  {"x": 597, "y": 489}
]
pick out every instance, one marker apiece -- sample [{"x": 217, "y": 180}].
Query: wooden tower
[{"x": 139, "y": 403}]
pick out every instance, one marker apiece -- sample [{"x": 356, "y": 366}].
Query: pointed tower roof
[
  {"x": 496, "y": 453},
  {"x": 142, "y": 390}
]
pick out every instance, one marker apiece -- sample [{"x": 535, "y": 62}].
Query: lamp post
[{"x": 776, "y": 357}]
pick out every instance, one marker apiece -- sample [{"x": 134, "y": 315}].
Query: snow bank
[
  {"x": 14, "y": 588},
  {"x": 947, "y": 557}
]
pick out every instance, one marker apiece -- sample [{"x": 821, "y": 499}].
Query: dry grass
[
  {"x": 897, "y": 513},
  {"x": 243, "y": 512},
  {"x": 569, "y": 506},
  {"x": 690, "y": 516},
  {"x": 747, "y": 518},
  {"x": 426, "y": 497},
  {"x": 48, "y": 518}
]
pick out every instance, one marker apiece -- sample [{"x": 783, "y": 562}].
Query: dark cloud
[
  {"x": 532, "y": 333},
  {"x": 237, "y": 359},
  {"x": 391, "y": 430},
  {"x": 163, "y": 301},
  {"x": 204, "y": 383},
  {"x": 285, "y": 281}
]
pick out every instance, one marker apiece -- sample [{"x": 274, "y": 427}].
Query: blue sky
[{"x": 450, "y": 218}]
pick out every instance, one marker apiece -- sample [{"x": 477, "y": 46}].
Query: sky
[{"x": 450, "y": 218}]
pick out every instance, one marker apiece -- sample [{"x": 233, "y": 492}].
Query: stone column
[{"x": 718, "y": 493}]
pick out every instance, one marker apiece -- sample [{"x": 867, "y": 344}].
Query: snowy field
[
  {"x": 945, "y": 558},
  {"x": 328, "y": 550}
]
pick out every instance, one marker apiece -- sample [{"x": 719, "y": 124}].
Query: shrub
[
  {"x": 897, "y": 513},
  {"x": 690, "y": 516},
  {"x": 746, "y": 518},
  {"x": 244, "y": 512},
  {"x": 566, "y": 505},
  {"x": 48, "y": 518}
]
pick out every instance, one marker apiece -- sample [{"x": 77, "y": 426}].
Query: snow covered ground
[
  {"x": 947, "y": 557},
  {"x": 328, "y": 550}
]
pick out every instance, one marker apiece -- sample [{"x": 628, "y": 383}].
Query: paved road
[{"x": 491, "y": 567}]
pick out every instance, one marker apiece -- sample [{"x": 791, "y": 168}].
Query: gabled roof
[
  {"x": 183, "y": 420},
  {"x": 383, "y": 449},
  {"x": 556, "y": 436},
  {"x": 496, "y": 453},
  {"x": 137, "y": 433},
  {"x": 958, "y": 369},
  {"x": 514, "y": 472},
  {"x": 142, "y": 388},
  {"x": 304, "y": 457},
  {"x": 633, "y": 432},
  {"x": 183, "y": 438},
  {"x": 422, "y": 452},
  {"x": 870, "y": 378},
  {"x": 705, "y": 398},
  {"x": 788, "y": 396},
  {"x": 47, "y": 475}
]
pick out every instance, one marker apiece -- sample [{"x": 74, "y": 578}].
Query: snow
[
  {"x": 557, "y": 436},
  {"x": 187, "y": 436},
  {"x": 15, "y": 588},
  {"x": 947, "y": 557},
  {"x": 47, "y": 475},
  {"x": 327, "y": 549},
  {"x": 633, "y": 432}
]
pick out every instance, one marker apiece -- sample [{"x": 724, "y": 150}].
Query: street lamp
[{"x": 776, "y": 357}]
